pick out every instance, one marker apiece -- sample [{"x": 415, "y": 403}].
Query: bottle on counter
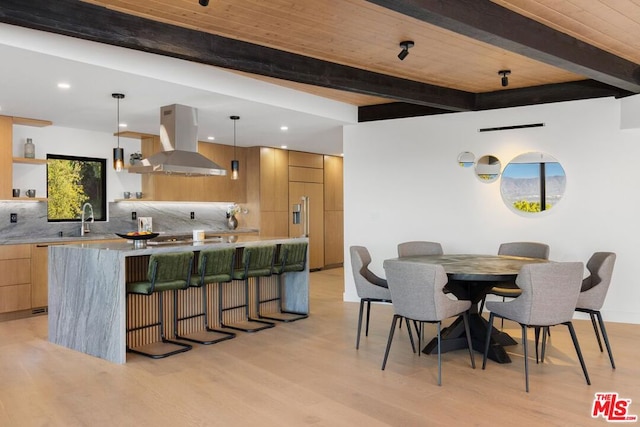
[{"x": 29, "y": 149}]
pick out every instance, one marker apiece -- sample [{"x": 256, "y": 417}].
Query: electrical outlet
[
  {"x": 14, "y": 217},
  {"x": 134, "y": 216},
  {"x": 193, "y": 215}
]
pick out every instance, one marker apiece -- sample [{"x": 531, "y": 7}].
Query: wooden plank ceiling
[{"x": 347, "y": 49}]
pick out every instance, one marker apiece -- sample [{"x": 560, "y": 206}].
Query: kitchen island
[{"x": 87, "y": 290}]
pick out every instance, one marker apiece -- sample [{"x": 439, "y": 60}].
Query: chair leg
[
  {"x": 359, "y": 324},
  {"x": 595, "y": 329},
  {"x": 420, "y": 333},
  {"x": 578, "y": 351},
  {"x": 282, "y": 315},
  {"x": 526, "y": 357},
  {"x": 467, "y": 331},
  {"x": 545, "y": 333},
  {"x": 439, "y": 354},
  {"x": 205, "y": 301},
  {"x": 252, "y": 319},
  {"x": 537, "y": 340},
  {"x": 487, "y": 340},
  {"x": 182, "y": 346},
  {"x": 606, "y": 339},
  {"x": 242, "y": 325},
  {"x": 389, "y": 340},
  {"x": 366, "y": 326},
  {"x": 204, "y": 313},
  {"x": 413, "y": 346}
]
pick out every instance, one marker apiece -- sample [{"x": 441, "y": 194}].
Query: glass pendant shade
[
  {"x": 118, "y": 153},
  {"x": 235, "y": 169},
  {"x": 235, "y": 164},
  {"x": 118, "y": 159}
]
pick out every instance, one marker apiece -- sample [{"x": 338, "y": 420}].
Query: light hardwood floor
[{"x": 309, "y": 373}]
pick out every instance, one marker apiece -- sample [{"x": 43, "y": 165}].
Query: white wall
[
  {"x": 402, "y": 182},
  {"x": 74, "y": 142}
]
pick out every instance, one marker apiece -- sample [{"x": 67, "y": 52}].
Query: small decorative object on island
[
  {"x": 29, "y": 149},
  {"x": 232, "y": 211}
]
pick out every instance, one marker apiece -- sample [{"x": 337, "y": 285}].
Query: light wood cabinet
[
  {"x": 333, "y": 211},
  {"x": 40, "y": 270},
  {"x": 268, "y": 191},
  {"x": 15, "y": 278},
  {"x": 6, "y": 156},
  {"x": 39, "y": 275}
]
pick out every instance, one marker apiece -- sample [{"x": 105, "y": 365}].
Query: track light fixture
[
  {"x": 118, "y": 153},
  {"x": 235, "y": 164},
  {"x": 405, "y": 45},
  {"x": 204, "y": 2},
  {"x": 505, "y": 79}
]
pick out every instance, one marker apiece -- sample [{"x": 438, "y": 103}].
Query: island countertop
[
  {"x": 127, "y": 249},
  {"x": 87, "y": 290},
  {"x": 69, "y": 239}
]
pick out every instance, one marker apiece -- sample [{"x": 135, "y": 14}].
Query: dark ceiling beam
[
  {"x": 544, "y": 94},
  {"x": 395, "y": 110},
  {"x": 493, "y": 24},
  {"x": 95, "y": 23},
  {"x": 585, "y": 89}
]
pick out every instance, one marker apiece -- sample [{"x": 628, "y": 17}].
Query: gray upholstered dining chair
[
  {"x": 417, "y": 247},
  {"x": 417, "y": 291},
  {"x": 522, "y": 249},
  {"x": 548, "y": 298},
  {"x": 594, "y": 291},
  {"x": 370, "y": 288}
]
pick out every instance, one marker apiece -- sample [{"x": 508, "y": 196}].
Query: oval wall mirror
[
  {"x": 466, "y": 159},
  {"x": 488, "y": 168},
  {"x": 532, "y": 183}
]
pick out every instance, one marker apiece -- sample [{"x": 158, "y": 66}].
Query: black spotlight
[
  {"x": 203, "y": 2},
  {"x": 505, "y": 79},
  {"x": 405, "y": 45}
]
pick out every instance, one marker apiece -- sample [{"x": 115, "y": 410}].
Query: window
[
  {"x": 72, "y": 182},
  {"x": 532, "y": 183}
]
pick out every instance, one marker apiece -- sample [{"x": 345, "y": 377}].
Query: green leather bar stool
[
  {"x": 291, "y": 257},
  {"x": 214, "y": 266},
  {"x": 257, "y": 261},
  {"x": 166, "y": 272}
]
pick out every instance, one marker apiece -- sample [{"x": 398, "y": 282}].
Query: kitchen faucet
[{"x": 84, "y": 225}]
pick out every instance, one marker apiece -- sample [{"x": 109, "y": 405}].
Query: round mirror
[
  {"x": 532, "y": 183},
  {"x": 466, "y": 159},
  {"x": 488, "y": 168}
]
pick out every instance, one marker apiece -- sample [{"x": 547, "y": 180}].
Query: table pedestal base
[{"x": 453, "y": 338}]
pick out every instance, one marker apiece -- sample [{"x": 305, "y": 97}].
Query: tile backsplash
[{"x": 169, "y": 217}]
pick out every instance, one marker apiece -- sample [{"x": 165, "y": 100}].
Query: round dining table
[{"x": 471, "y": 277}]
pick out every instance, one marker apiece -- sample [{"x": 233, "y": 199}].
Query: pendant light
[
  {"x": 118, "y": 153},
  {"x": 235, "y": 164}
]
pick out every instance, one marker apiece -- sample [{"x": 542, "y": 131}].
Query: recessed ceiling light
[
  {"x": 283, "y": 146},
  {"x": 64, "y": 85},
  {"x": 211, "y": 138},
  {"x": 122, "y": 125},
  {"x": 283, "y": 128}
]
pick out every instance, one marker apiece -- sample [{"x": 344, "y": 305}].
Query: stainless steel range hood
[{"x": 179, "y": 138}]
